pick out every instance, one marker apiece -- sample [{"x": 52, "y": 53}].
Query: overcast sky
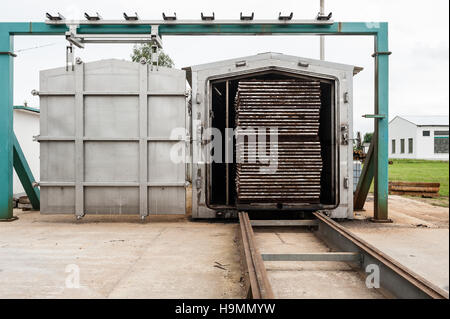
[{"x": 418, "y": 36}]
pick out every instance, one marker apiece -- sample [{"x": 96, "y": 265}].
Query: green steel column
[
  {"x": 25, "y": 175},
  {"x": 365, "y": 180},
  {"x": 6, "y": 125},
  {"x": 381, "y": 137}
]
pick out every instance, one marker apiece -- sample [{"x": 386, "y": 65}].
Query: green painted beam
[
  {"x": 337, "y": 28},
  {"x": 26, "y": 108},
  {"x": 25, "y": 175},
  {"x": 32, "y": 28},
  {"x": 6, "y": 126},
  {"x": 381, "y": 134},
  {"x": 365, "y": 180},
  {"x": 374, "y": 116}
]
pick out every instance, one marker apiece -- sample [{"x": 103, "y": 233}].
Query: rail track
[{"x": 395, "y": 280}]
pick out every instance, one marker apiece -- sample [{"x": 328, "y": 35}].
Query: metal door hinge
[
  {"x": 346, "y": 97},
  {"x": 303, "y": 64},
  {"x": 344, "y": 134},
  {"x": 198, "y": 98},
  {"x": 346, "y": 182}
]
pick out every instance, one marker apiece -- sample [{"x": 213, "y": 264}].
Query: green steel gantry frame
[{"x": 375, "y": 167}]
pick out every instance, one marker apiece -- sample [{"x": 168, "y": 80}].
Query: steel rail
[
  {"x": 396, "y": 280},
  {"x": 259, "y": 281},
  {"x": 394, "y": 277}
]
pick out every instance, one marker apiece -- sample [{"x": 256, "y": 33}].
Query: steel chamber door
[{"x": 108, "y": 129}]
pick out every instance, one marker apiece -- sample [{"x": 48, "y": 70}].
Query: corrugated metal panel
[{"x": 292, "y": 107}]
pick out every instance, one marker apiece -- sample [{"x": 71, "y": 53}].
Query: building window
[
  {"x": 410, "y": 145},
  {"x": 402, "y": 146},
  {"x": 426, "y": 133},
  {"x": 441, "y": 142},
  {"x": 393, "y": 146}
]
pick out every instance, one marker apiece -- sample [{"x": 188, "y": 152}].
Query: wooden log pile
[{"x": 414, "y": 189}]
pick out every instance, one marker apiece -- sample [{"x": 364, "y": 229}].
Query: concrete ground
[
  {"x": 118, "y": 257},
  {"x": 173, "y": 257},
  {"x": 418, "y": 237}
]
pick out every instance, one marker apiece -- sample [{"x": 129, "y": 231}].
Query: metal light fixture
[
  {"x": 247, "y": 18},
  {"x": 324, "y": 17},
  {"x": 96, "y": 17},
  {"x": 207, "y": 18},
  {"x": 131, "y": 17},
  {"x": 58, "y": 17},
  {"x": 285, "y": 18},
  {"x": 169, "y": 18}
]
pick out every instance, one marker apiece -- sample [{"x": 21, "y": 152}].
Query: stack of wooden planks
[
  {"x": 292, "y": 109},
  {"x": 414, "y": 189}
]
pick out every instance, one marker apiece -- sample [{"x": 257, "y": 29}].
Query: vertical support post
[
  {"x": 25, "y": 175},
  {"x": 6, "y": 125},
  {"x": 365, "y": 180},
  {"x": 143, "y": 143},
  {"x": 381, "y": 134},
  {"x": 322, "y": 38},
  {"x": 79, "y": 143}
]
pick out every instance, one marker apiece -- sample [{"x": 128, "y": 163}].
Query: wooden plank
[
  {"x": 414, "y": 189},
  {"x": 414, "y": 184}
]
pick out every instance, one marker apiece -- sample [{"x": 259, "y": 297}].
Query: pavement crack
[{"x": 133, "y": 264}]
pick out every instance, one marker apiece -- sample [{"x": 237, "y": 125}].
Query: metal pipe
[{"x": 322, "y": 38}]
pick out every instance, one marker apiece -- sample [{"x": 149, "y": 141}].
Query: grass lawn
[
  {"x": 421, "y": 171},
  {"x": 405, "y": 170}
]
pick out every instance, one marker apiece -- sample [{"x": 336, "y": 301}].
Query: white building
[
  {"x": 26, "y": 125},
  {"x": 419, "y": 137}
]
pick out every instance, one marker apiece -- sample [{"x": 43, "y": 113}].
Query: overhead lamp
[
  {"x": 247, "y": 18},
  {"x": 131, "y": 17},
  {"x": 58, "y": 17},
  {"x": 324, "y": 17},
  {"x": 207, "y": 18},
  {"x": 169, "y": 18},
  {"x": 93, "y": 18},
  {"x": 285, "y": 18}
]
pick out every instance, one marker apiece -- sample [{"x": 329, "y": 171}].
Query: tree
[
  {"x": 368, "y": 137},
  {"x": 145, "y": 51}
]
